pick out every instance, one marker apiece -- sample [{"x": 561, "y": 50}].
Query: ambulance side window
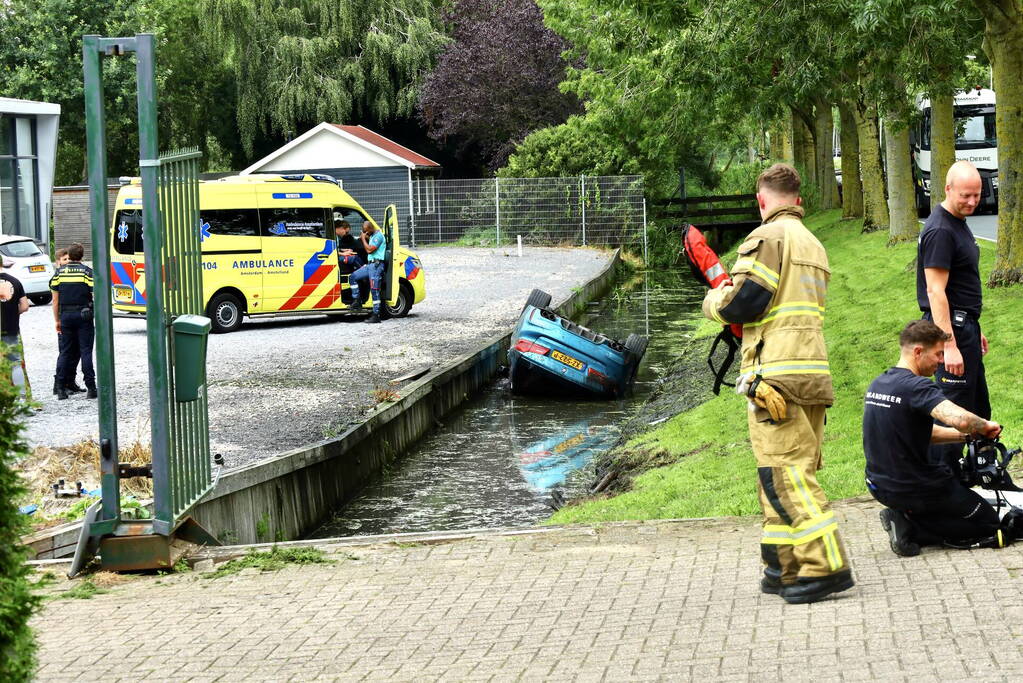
[
  {"x": 231, "y": 222},
  {"x": 304, "y": 222},
  {"x": 128, "y": 232}
]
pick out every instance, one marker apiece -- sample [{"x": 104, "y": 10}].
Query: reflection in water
[{"x": 497, "y": 459}]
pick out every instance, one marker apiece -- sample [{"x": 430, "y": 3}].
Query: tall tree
[
  {"x": 299, "y": 62},
  {"x": 1003, "y": 43},
  {"x": 497, "y": 80}
]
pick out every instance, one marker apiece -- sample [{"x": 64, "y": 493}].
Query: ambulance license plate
[
  {"x": 567, "y": 360},
  {"x": 122, "y": 293},
  {"x": 36, "y": 269}
]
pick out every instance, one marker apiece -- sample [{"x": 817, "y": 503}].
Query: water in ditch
[{"x": 497, "y": 460}]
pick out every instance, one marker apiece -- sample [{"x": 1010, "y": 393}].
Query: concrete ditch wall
[{"x": 289, "y": 496}]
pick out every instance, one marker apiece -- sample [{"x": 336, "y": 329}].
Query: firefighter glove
[{"x": 768, "y": 398}]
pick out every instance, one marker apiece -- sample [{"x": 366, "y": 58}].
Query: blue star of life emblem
[
  {"x": 204, "y": 231},
  {"x": 122, "y": 232}
]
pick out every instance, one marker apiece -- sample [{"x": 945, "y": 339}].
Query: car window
[
  {"x": 232, "y": 222},
  {"x": 354, "y": 218},
  {"x": 304, "y": 222},
  {"x": 20, "y": 249},
  {"x": 128, "y": 232}
]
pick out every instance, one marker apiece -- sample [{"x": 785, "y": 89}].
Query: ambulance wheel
[
  {"x": 403, "y": 305},
  {"x": 41, "y": 299},
  {"x": 636, "y": 344},
  {"x": 539, "y": 299},
  {"x": 225, "y": 313}
]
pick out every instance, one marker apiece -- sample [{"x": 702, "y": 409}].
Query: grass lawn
[{"x": 871, "y": 297}]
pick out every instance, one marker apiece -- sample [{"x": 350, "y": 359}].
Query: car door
[{"x": 389, "y": 285}]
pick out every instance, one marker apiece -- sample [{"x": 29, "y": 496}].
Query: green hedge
[{"x": 17, "y": 603}]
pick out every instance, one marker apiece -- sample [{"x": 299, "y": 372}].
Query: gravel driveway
[{"x": 277, "y": 384}]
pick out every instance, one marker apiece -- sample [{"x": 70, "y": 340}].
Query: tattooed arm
[{"x": 961, "y": 420}]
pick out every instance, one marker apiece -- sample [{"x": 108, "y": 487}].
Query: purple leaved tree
[{"x": 497, "y": 80}]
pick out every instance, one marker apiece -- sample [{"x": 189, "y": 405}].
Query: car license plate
[
  {"x": 36, "y": 269},
  {"x": 567, "y": 360},
  {"x": 122, "y": 293}
]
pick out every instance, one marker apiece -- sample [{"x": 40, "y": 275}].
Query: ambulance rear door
[{"x": 127, "y": 257}]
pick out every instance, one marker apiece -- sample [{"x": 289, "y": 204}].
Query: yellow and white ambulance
[{"x": 268, "y": 249}]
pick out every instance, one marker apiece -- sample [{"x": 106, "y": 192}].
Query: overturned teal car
[{"x": 551, "y": 355}]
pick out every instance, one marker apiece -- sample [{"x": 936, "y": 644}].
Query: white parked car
[{"x": 23, "y": 259}]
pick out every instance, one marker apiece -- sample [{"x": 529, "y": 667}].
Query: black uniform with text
[
  {"x": 897, "y": 427},
  {"x": 73, "y": 285}
]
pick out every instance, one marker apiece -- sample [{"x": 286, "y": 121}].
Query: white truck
[{"x": 976, "y": 142}]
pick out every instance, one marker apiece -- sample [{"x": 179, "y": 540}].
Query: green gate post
[{"x": 180, "y": 468}]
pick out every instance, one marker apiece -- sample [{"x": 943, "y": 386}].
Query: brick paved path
[{"x": 644, "y": 601}]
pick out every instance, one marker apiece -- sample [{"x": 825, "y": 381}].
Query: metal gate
[
  {"x": 175, "y": 332},
  {"x": 182, "y": 472}
]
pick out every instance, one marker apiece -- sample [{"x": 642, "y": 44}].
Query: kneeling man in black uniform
[{"x": 925, "y": 504}]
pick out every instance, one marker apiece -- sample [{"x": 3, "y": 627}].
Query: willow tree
[
  {"x": 1003, "y": 43},
  {"x": 297, "y": 62}
]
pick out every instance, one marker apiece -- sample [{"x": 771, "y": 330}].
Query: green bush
[{"x": 17, "y": 646}]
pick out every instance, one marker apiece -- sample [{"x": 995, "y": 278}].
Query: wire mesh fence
[{"x": 578, "y": 211}]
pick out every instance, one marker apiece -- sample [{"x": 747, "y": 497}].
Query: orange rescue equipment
[{"x": 707, "y": 269}]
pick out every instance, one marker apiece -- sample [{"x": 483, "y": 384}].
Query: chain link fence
[{"x": 578, "y": 211}]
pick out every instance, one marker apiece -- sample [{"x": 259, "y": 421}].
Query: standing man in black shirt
[
  {"x": 925, "y": 503},
  {"x": 948, "y": 291},
  {"x": 14, "y": 302},
  {"x": 72, "y": 313}
]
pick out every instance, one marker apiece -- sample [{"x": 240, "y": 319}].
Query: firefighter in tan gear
[{"x": 777, "y": 293}]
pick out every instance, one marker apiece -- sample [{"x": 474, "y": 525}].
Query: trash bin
[{"x": 190, "y": 335}]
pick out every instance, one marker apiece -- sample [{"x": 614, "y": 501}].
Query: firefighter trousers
[{"x": 800, "y": 536}]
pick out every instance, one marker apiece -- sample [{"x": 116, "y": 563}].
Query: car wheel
[
  {"x": 41, "y": 299},
  {"x": 403, "y": 305},
  {"x": 636, "y": 344},
  {"x": 225, "y": 313},
  {"x": 539, "y": 299}
]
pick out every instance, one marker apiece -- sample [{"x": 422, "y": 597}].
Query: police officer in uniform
[
  {"x": 925, "y": 502},
  {"x": 777, "y": 293},
  {"x": 72, "y": 313},
  {"x": 948, "y": 291}
]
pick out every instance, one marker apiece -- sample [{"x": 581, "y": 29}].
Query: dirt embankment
[{"x": 687, "y": 383}]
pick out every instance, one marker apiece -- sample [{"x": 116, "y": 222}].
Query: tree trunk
[
  {"x": 875, "y": 206},
  {"x": 943, "y": 145},
  {"x": 1003, "y": 43},
  {"x": 852, "y": 186},
  {"x": 782, "y": 150},
  {"x": 824, "y": 161},
  {"x": 903, "y": 225},
  {"x": 802, "y": 148}
]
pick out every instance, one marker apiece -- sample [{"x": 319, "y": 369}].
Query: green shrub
[{"x": 17, "y": 646}]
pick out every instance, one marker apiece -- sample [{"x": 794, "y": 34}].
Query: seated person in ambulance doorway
[
  {"x": 925, "y": 504},
  {"x": 370, "y": 274},
  {"x": 348, "y": 247}
]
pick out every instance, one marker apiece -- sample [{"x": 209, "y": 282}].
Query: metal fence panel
[
  {"x": 188, "y": 467},
  {"x": 576, "y": 211}
]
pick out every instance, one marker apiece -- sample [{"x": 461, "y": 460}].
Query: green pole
[
  {"x": 96, "y": 151},
  {"x": 156, "y": 319}
]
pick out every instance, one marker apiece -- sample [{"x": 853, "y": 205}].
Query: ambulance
[{"x": 268, "y": 249}]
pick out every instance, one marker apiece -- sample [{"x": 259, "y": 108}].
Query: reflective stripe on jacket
[{"x": 779, "y": 284}]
